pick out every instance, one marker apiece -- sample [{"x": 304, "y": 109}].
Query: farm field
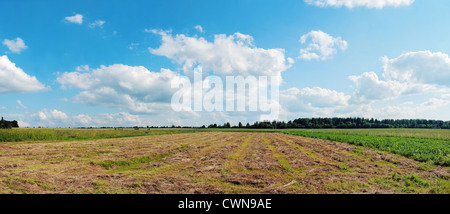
[
  {"x": 66, "y": 134},
  {"x": 426, "y": 145},
  {"x": 212, "y": 162}
]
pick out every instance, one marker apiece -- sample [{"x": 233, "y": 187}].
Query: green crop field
[
  {"x": 66, "y": 134},
  {"x": 427, "y": 145}
]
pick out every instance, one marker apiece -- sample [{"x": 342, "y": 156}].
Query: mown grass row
[
  {"x": 420, "y": 149},
  {"x": 108, "y": 164}
]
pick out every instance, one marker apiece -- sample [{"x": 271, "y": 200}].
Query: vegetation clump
[{"x": 4, "y": 124}]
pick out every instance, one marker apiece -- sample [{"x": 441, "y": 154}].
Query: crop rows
[{"x": 421, "y": 149}]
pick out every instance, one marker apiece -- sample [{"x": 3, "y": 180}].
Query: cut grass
[
  {"x": 109, "y": 164},
  {"x": 212, "y": 163},
  {"x": 406, "y": 183},
  {"x": 285, "y": 163}
]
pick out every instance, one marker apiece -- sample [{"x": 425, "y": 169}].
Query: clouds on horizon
[{"x": 378, "y": 4}]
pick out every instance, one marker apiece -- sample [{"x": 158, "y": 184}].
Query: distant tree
[
  {"x": 4, "y": 124},
  {"x": 227, "y": 125}
]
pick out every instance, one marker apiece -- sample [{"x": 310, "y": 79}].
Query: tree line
[
  {"x": 308, "y": 123},
  {"x": 341, "y": 123},
  {"x": 4, "y": 124}
]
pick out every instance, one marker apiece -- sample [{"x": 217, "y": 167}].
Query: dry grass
[{"x": 212, "y": 162}]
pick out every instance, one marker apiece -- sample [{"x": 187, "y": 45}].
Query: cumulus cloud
[
  {"x": 15, "y": 46},
  {"x": 14, "y": 79},
  {"x": 84, "y": 119},
  {"x": 422, "y": 67},
  {"x": 225, "y": 55},
  {"x": 321, "y": 45},
  {"x": 410, "y": 73},
  {"x": 131, "y": 87},
  {"x": 49, "y": 118},
  {"x": 77, "y": 19},
  {"x": 360, "y": 3},
  {"x": 322, "y": 97},
  {"x": 369, "y": 87},
  {"x": 311, "y": 99}
]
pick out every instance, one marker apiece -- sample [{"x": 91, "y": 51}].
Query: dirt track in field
[{"x": 212, "y": 162}]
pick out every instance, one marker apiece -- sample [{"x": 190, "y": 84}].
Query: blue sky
[{"x": 382, "y": 59}]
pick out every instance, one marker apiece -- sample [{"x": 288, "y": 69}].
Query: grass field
[
  {"x": 65, "y": 134},
  {"x": 211, "y": 162}
]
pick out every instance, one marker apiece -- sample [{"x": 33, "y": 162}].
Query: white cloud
[
  {"x": 422, "y": 67},
  {"x": 322, "y": 97},
  {"x": 226, "y": 55},
  {"x": 199, "y": 28},
  {"x": 82, "y": 68},
  {"x": 21, "y": 104},
  {"x": 435, "y": 103},
  {"x": 410, "y": 73},
  {"x": 122, "y": 118},
  {"x": 77, "y": 19},
  {"x": 15, "y": 46},
  {"x": 370, "y": 87},
  {"x": 57, "y": 118},
  {"x": 312, "y": 99},
  {"x": 14, "y": 79},
  {"x": 134, "y": 88},
  {"x": 360, "y": 3},
  {"x": 50, "y": 118},
  {"x": 83, "y": 119},
  {"x": 98, "y": 23},
  {"x": 431, "y": 109},
  {"x": 23, "y": 124},
  {"x": 321, "y": 45}
]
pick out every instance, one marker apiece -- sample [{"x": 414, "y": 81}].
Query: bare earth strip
[{"x": 212, "y": 162}]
